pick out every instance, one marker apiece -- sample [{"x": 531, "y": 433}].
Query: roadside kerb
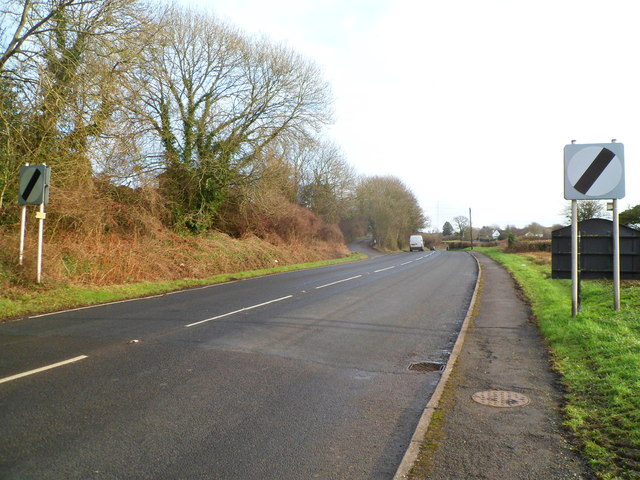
[{"x": 417, "y": 439}]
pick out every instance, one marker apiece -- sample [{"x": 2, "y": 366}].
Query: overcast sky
[{"x": 469, "y": 102}]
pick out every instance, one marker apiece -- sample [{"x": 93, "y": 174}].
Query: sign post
[
  {"x": 40, "y": 216},
  {"x": 574, "y": 258},
  {"x": 23, "y": 227},
  {"x": 594, "y": 171},
  {"x": 34, "y": 190},
  {"x": 616, "y": 255}
]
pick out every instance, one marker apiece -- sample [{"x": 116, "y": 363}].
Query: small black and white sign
[
  {"x": 594, "y": 171},
  {"x": 34, "y": 185}
]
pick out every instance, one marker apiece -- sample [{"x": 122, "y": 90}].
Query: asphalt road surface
[{"x": 291, "y": 376}]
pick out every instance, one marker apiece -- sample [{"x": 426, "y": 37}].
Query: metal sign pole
[
  {"x": 40, "y": 216},
  {"x": 616, "y": 256},
  {"x": 574, "y": 258},
  {"x": 23, "y": 227}
]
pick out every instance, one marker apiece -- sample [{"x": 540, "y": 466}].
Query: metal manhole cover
[
  {"x": 501, "y": 398},
  {"x": 426, "y": 367}
]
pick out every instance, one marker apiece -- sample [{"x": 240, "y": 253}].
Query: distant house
[
  {"x": 533, "y": 235},
  {"x": 495, "y": 235}
]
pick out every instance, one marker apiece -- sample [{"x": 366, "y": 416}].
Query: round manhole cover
[{"x": 501, "y": 398}]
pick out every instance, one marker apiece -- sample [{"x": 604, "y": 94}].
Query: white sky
[{"x": 469, "y": 102}]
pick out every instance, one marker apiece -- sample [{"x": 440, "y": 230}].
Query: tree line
[
  {"x": 152, "y": 114},
  {"x": 587, "y": 209}
]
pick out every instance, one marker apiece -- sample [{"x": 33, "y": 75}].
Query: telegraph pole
[{"x": 470, "y": 229}]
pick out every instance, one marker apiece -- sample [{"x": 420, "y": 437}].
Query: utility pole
[{"x": 470, "y": 229}]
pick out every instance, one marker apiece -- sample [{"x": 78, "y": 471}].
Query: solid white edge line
[
  {"x": 115, "y": 302},
  {"x": 42, "y": 369},
  {"x": 383, "y": 269},
  {"x": 339, "y": 281},
  {"x": 90, "y": 306},
  {"x": 238, "y": 311}
]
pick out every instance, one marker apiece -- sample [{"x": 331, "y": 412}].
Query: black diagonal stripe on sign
[
  {"x": 31, "y": 184},
  {"x": 594, "y": 171}
]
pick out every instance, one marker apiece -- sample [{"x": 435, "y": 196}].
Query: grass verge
[
  {"x": 598, "y": 356},
  {"x": 51, "y": 298}
]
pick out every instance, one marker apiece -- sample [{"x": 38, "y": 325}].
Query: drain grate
[
  {"x": 501, "y": 398},
  {"x": 424, "y": 367}
]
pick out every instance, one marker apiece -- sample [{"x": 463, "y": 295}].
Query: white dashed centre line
[
  {"x": 339, "y": 281},
  {"x": 238, "y": 311},
  {"x": 383, "y": 269},
  {"x": 42, "y": 369}
]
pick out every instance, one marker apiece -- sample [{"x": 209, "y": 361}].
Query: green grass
[
  {"x": 598, "y": 355},
  {"x": 45, "y": 298}
]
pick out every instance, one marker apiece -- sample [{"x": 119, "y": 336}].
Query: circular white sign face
[{"x": 600, "y": 182}]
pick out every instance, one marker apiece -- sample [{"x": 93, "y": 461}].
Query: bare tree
[
  {"x": 61, "y": 61},
  {"x": 587, "y": 209},
  {"x": 11, "y": 117},
  {"x": 328, "y": 183},
  {"x": 391, "y": 209},
  {"x": 214, "y": 100},
  {"x": 23, "y": 20},
  {"x": 107, "y": 95},
  {"x": 462, "y": 225}
]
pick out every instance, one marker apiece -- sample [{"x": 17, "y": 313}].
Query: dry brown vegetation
[
  {"x": 541, "y": 258},
  {"x": 107, "y": 259},
  {"x": 101, "y": 235}
]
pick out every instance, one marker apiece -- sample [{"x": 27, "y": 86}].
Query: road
[{"x": 289, "y": 376}]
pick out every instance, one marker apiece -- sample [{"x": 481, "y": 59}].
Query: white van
[{"x": 416, "y": 243}]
